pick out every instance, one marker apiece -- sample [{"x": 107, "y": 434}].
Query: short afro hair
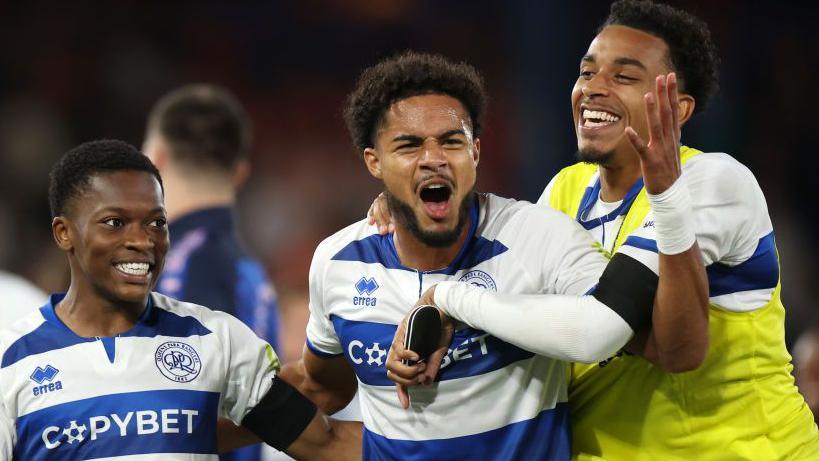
[
  {"x": 205, "y": 125},
  {"x": 693, "y": 53},
  {"x": 73, "y": 172},
  {"x": 406, "y": 75}
]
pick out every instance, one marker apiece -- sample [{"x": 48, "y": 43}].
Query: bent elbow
[{"x": 681, "y": 361}]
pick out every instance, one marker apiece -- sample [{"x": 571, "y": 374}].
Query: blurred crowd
[{"x": 75, "y": 71}]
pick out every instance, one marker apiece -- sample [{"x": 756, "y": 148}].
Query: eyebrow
[
  {"x": 121, "y": 210},
  {"x": 622, "y": 61},
  {"x": 412, "y": 137}
]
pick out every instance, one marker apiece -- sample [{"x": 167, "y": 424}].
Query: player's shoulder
[
  {"x": 510, "y": 216},
  {"x": 209, "y": 319},
  {"x": 717, "y": 166},
  {"x": 20, "y": 328},
  {"x": 356, "y": 231}
]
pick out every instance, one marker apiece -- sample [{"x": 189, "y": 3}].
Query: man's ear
[
  {"x": 241, "y": 171},
  {"x": 373, "y": 162},
  {"x": 476, "y": 151},
  {"x": 61, "y": 233},
  {"x": 687, "y": 104},
  {"x": 156, "y": 149}
]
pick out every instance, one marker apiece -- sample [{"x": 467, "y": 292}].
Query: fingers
[
  {"x": 433, "y": 365},
  {"x": 637, "y": 142},
  {"x": 674, "y": 100},
  {"x": 655, "y": 123},
  {"x": 379, "y": 215},
  {"x": 403, "y": 395}
]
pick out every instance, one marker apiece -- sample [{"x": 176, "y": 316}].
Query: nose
[
  {"x": 595, "y": 86},
  {"x": 138, "y": 238},
  {"x": 433, "y": 156}
]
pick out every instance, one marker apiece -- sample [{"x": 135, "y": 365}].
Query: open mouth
[
  {"x": 436, "y": 199},
  {"x": 133, "y": 269},
  {"x": 597, "y": 118}
]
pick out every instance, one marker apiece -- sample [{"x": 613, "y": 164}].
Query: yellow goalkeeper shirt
[{"x": 741, "y": 403}]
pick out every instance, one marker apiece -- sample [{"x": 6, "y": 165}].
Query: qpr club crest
[
  {"x": 479, "y": 279},
  {"x": 178, "y": 361}
]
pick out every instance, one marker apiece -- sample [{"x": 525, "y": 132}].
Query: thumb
[
  {"x": 637, "y": 142},
  {"x": 403, "y": 395}
]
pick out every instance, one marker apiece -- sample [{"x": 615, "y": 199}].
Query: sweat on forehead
[{"x": 72, "y": 174}]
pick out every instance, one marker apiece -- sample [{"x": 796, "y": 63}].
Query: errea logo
[
  {"x": 365, "y": 287},
  {"x": 44, "y": 377}
]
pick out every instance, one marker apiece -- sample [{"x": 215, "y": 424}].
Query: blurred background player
[
  {"x": 18, "y": 297},
  {"x": 198, "y": 136}
]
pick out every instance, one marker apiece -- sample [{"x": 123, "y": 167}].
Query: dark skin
[{"x": 118, "y": 218}]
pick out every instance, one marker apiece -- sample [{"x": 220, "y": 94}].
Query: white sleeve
[
  {"x": 557, "y": 253},
  {"x": 7, "y": 432},
  {"x": 321, "y": 336},
  {"x": 547, "y": 193},
  {"x": 251, "y": 366},
  {"x": 732, "y": 227},
  {"x": 570, "y": 328},
  {"x": 729, "y": 209},
  {"x": 731, "y": 213}
]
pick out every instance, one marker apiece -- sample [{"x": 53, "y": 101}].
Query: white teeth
[
  {"x": 599, "y": 115},
  {"x": 435, "y": 186},
  {"x": 133, "y": 268}
]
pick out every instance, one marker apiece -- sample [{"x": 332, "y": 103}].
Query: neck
[
  {"x": 421, "y": 257},
  {"x": 186, "y": 195},
  {"x": 617, "y": 176},
  {"x": 92, "y": 315}
]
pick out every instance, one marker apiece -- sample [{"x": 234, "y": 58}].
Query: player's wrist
[{"x": 673, "y": 218}]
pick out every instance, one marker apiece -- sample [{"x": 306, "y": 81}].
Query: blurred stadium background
[{"x": 75, "y": 71}]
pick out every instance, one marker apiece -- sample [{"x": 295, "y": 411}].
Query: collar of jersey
[
  {"x": 51, "y": 316},
  {"x": 455, "y": 265},
  {"x": 591, "y": 196}
]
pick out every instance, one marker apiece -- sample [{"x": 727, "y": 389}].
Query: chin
[
  {"x": 595, "y": 156},
  {"x": 132, "y": 295}
]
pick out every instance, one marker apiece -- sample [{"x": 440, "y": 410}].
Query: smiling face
[
  {"x": 116, "y": 237},
  {"x": 619, "y": 68},
  {"x": 427, "y": 157}
]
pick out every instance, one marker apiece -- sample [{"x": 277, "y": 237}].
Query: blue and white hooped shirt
[
  {"x": 492, "y": 400},
  {"x": 154, "y": 391}
]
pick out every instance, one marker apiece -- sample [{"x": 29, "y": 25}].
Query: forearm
[
  {"x": 329, "y": 400},
  {"x": 679, "y": 337},
  {"x": 327, "y": 438},
  {"x": 571, "y": 328}
]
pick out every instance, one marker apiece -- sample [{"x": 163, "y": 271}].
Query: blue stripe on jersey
[
  {"x": 164, "y": 421},
  {"x": 318, "y": 351},
  {"x": 380, "y": 249},
  {"x": 53, "y": 334},
  {"x": 641, "y": 243},
  {"x": 472, "y": 352},
  {"x": 545, "y": 437},
  {"x": 760, "y": 271}
]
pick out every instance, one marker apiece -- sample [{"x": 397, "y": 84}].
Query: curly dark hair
[
  {"x": 73, "y": 172},
  {"x": 406, "y": 75},
  {"x": 693, "y": 53},
  {"x": 205, "y": 125}
]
